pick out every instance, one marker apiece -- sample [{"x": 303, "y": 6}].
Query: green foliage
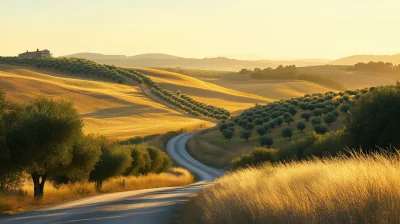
[
  {"x": 329, "y": 118},
  {"x": 287, "y": 133},
  {"x": 279, "y": 121},
  {"x": 141, "y": 161},
  {"x": 227, "y": 133},
  {"x": 261, "y": 130},
  {"x": 256, "y": 157},
  {"x": 374, "y": 121},
  {"x": 345, "y": 108},
  {"x": 315, "y": 121},
  {"x": 114, "y": 161},
  {"x": 266, "y": 141},
  {"x": 306, "y": 116},
  {"x": 320, "y": 129},
  {"x": 301, "y": 126},
  {"x": 317, "y": 112},
  {"x": 246, "y": 134},
  {"x": 223, "y": 126},
  {"x": 250, "y": 126}
]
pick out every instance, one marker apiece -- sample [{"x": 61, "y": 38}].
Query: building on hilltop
[{"x": 36, "y": 54}]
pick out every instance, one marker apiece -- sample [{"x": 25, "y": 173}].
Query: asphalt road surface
[{"x": 141, "y": 206}]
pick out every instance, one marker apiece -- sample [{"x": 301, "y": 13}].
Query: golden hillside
[
  {"x": 204, "y": 92},
  {"x": 113, "y": 110}
]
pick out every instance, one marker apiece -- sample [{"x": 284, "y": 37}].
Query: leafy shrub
[
  {"x": 261, "y": 130},
  {"x": 375, "y": 121},
  {"x": 301, "y": 126},
  {"x": 320, "y": 129},
  {"x": 266, "y": 140},
  {"x": 315, "y": 121},
  {"x": 287, "y": 133},
  {"x": 246, "y": 134},
  {"x": 306, "y": 116}
]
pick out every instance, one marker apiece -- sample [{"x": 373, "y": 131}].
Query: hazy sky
[{"x": 269, "y": 29}]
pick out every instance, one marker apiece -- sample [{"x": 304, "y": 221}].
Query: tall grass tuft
[{"x": 356, "y": 189}]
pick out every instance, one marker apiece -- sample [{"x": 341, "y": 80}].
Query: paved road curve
[{"x": 141, "y": 206}]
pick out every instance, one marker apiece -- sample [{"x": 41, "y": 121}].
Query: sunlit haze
[{"x": 244, "y": 29}]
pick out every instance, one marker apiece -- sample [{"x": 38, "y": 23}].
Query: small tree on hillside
[
  {"x": 330, "y": 118},
  {"x": 301, "y": 126},
  {"x": 317, "y": 112},
  {"x": 266, "y": 140},
  {"x": 315, "y": 121},
  {"x": 320, "y": 129},
  {"x": 245, "y": 134},
  {"x": 250, "y": 126},
  {"x": 345, "y": 108},
  {"x": 306, "y": 116},
  {"x": 228, "y": 134},
  {"x": 287, "y": 133},
  {"x": 261, "y": 130},
  {"x": 292, "y": 110},
  {"x": 279, "y": 121}
]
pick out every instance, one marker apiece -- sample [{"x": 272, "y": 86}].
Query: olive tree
[{"x": 42, "y": 141}]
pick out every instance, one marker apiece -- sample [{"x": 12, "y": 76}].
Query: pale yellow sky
[{"x": 269, "y": 29}]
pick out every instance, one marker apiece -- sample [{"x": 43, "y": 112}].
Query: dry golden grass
[
  {"x": 274, "y": 89},
  {"x": 204, "y": 92},
  {"x": 352, "y": 79},
  {"x": 12, "y": 202},
  {"x": 361, "y": 189},
  {"x": 112, "y": 110}
]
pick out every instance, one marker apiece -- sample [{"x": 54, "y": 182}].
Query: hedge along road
[{"x": 141, "y": 206}]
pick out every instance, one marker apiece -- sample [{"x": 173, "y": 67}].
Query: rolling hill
[
  {"x": 164, "y": 60},
  {"x": 231, "y": 100},
  {"x": 351, "y": 60},
  {"x": 112, "y": 110}
]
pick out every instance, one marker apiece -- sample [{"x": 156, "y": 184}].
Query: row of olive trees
[
  {"x": 371, "y": 125},
  {"x": 83, "y": 66},
  {"x": 45, "y": 140}
]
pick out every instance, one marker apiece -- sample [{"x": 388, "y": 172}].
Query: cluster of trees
[
  {"x": 320, "y": 110},
  {"x": 380, "y": 66},
  {"x": 287, "y": 72},
  {"x": 45, "y": 140},
  {"x": 182, "y": 101},
  {"x": 83, "y": 66},
  {"x": 372, "y": 125},
  {"x": 290, "y": 73}
]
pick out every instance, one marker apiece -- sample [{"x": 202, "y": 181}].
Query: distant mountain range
[{"x": 222, "y": 63}]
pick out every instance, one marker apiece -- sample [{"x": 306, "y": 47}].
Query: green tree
[
  {"x": 287, "y": 133},
  {"x": 228, "y": 134},
  {"x": 374, "y": 120},
  {"x": 306, "y": 116},
  {"x": 266, "y": 140},
  {"x": 345, "y": 108},
  {"x": 329, "y": 118},
  {"x": 245, "y": 134},
  {"x": 261, "y": 130},
  {"x": 301, "y": 126},
  {"x": 250, "y": 126},
  {"x": 42, "y": 141},
  {"x": 141, "y": 161},
  {"x": 320, "y": 129},
  {"x": 315, "y": 121},
  {"x": 317, "y": 112},
  {"x": 114, "y": 161}
]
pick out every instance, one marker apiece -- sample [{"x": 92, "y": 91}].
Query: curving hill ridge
[
  {"x": 113, "y": 110},
  {"x": 205, "y": 92}
]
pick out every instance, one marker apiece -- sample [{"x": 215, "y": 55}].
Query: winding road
[{"x": 142, "y": 206}]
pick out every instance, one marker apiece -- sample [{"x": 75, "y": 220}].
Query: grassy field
[
  {"x": 212, "y": 148},
  {"x": 112, "y": 110},
  {"x": 269, "y": 89},
  {"x": 205, "y": 92},
  {"x": 360, "y": 189},
  {"x": 22, "y": 200}
]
